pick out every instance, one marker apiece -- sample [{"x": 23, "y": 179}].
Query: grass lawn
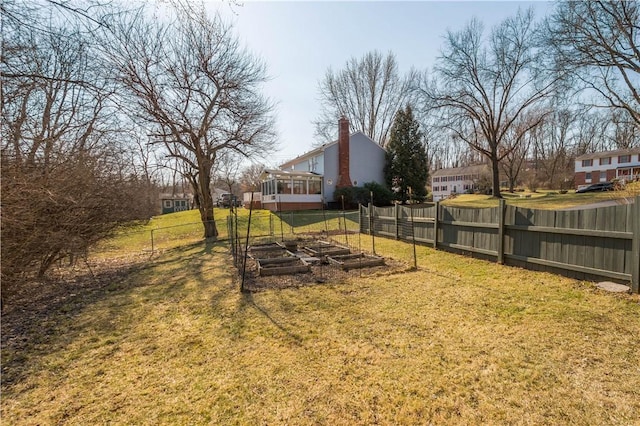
[
  {"x": 545, "y": 200},
  {"x": 460, "y": 341}
]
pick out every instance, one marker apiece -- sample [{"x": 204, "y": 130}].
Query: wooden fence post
[
  {"x": 396, "y": 219},
  {"x": 635, "y": 248},
  {"x": 435, "y": 225},
  {"x": 501, "y": 214}
]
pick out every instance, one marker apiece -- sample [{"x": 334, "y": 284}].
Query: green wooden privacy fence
[{"x": 593, "y": 244}]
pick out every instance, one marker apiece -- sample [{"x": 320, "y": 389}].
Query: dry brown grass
[{"x": 460, "y": 341}]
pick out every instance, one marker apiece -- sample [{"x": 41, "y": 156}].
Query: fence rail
[{"x": 586, "y": 244}]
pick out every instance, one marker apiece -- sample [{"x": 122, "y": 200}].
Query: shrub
[{"x": 354, "y": 195}]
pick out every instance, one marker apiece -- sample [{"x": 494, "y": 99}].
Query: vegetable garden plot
[
  {"x": 324, "y": 248},
  {"x": 282, "y": 266},
  {"x": 306, "y": 262},
  {"x": 355, "y": 261}
]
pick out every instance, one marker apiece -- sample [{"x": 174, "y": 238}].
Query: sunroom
[{"x": 291, "y": 190}]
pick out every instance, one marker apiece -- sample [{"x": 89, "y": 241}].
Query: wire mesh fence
[
  {"x": 278, "y": 249},
  {"x": 298, "y": 248}
]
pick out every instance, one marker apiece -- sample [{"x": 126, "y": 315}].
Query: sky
[{"x": 300, "y": 40}]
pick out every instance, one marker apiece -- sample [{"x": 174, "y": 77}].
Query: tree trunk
[
  {"x": 495, "y": 172},
  {"x": 206, "y": 205}
]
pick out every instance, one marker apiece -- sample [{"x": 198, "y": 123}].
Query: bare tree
[
  {"x": 227, "y": 171},
  {"x": 552, "y": 149},
  {"x": 198, "y": 87},
  {"x": 486, "y": 85},
  {"x": 64, "y": 178},
  {"x": 368, "y": 91},
  {"x": 625, "y": 133},
  {"x": 599, "y": 41},
  {"x": 517, "y": 142},
  {"x": 250, "y": 177}
]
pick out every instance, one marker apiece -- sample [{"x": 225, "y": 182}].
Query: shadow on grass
[
  {"x": 40, "y": 315},
  {"x": 248, "y": 299},
  {"x": 46, "y": 317}
]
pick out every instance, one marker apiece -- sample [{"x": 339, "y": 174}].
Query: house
[
  {"x": 252, "y": 200},
  {"x": 172, "y": 203},
  {"x": 623, "y": 164},
  {"x": 457, "y": 180},
  {"x": 309, "y": 181}
]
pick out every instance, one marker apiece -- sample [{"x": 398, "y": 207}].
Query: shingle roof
[{"x": 608, "y": 154}]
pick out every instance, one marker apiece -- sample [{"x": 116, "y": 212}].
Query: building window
[
  {"x": 443, "y": 188},
  {"x": 587, "y": 163},
  {"x": 605, "y": 161},
  {"x": 587, "y": 177},
  {"x": 624, "y": 159},
  {"x": 603, "y": 176},
  {"x": 299, "y": 187},
  {"x": 167, "y": 203},
  {"x": 314, "y": 187},
  {"x": 436, "y": 179}
]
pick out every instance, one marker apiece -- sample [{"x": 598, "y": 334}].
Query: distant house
[
  {"x": 309, "y": 181},
  {"x": 175, "y": 203},
  {"x": 623, "y": 164},
  {"x": 457, "y": 180},
  {"x": 252, "y": 200}
]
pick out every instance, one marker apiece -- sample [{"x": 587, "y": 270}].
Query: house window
[
  {"x": 299, "y": 187},
  {"x": 314, "y": 187},
  {"x": 436, "y": 179},
  {"x": 436, "y": 188},
  {"x": 603, "y": 176},
  {"x": 167, "y": 203},
  {"x": 443, "y": 188},
  {"x": 587, "y": 163},
  {"x": 605, "y": 161},
  {"x": 624, "y": 159},
  {"x": 587, "y": 177},
  {"x": 313, "y": 164}
]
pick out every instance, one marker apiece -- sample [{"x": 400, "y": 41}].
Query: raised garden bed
[
  {"x": 356, "y": 261},
  {"x": 323, "y": 248},
  {"x": 282, "y": 266},
  {"x": 268, "y": 251}
]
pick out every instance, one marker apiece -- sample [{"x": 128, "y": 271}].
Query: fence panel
[
  {"x": 589, "y": 242},
  {"x": 586, "y": 244},
  {"x": 468, "y": 229}
]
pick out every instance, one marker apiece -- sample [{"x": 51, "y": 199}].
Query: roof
[
  {"x": 166, "y": 196},
  {"x": 608, "y": 154},
  {"x": 288, "y": 173},
  {"x": 321, "y": 149},
  {"x": 468, "y": 170}
]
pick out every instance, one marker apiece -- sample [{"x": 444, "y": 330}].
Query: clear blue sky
[{"x": 300, "y": 40}]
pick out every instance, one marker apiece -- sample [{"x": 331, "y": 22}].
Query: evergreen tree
[{"x": 406, "y": 158}]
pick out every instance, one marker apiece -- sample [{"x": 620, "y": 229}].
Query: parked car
[
  {"x": 228, "y": 200},
  {"x": 596, "y": 187}
]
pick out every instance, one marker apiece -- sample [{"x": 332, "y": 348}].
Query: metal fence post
[
  {"x": 372, "y": 227},
  {"x": 635, "y": 248}
]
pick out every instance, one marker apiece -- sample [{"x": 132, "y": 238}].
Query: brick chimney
[{"x": 343, "y": 153}]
